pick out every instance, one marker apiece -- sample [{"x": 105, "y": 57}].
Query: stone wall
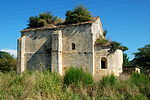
[
  {"x": 114, "y": 62},
  {"x": 37, "y": 50},
  {"x": 82, "y": 56},
  {"x": 97, "y": 32},
  {"x": 52, "y": 49}
]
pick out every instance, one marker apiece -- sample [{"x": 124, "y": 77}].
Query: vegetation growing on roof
[
  {"x": 43, "y": 19},
  {"x": 112, "y": 44},
  {"x": 78, "y": 14}
]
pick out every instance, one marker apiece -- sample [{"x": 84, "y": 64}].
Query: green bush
[
  {"x": 109, "y": 80},
  {"x": 102, "y": 42},
  {"x": 33, "y": 22},
  {"x": 7, "y": 62},
  {"x": 77, "y": 76},
  {"x": 112, "y": 88},
  {"x": 142, "y": 82},
  {"x": 48, "y": 82},
  {"x": 41, "y": 23},
  {"x": 78, "y": 14},
  {"x": 43, "y": 19},
  {"x": 112, "y": 44}
]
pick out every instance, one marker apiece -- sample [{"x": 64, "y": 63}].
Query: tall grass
[
  {"x": 77, "y": 76},
  {"x": 32, "y": 85},
  {"x": 50, "y": 86}
]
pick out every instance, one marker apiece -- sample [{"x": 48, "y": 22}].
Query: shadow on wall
[{"x": 41, "y": 59}]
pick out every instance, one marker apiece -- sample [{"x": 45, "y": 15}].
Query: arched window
[
  {"x": 103, "y": 63},
  {"x": 73, "y": 46}
]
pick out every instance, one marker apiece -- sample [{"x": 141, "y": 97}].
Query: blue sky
[{"x": 127, "y": 21}]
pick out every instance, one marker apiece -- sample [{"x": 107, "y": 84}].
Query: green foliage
[
  {"x": 116, "y": 45},
  {"x": 43, "y": 19},
  {"x": 109, "y": 80},
  {"x": 32, "y": 85},
  {"x": 126, "y": 61},
  {"x": 46, "y": 16},
  {"x": 142, "y": 57},
  {"x": 77, "y": 76},
  {"x": 46, "y": 85},
  {"x": 123, "y": 88},
  {"x": 112, "y": 44},
  {"x": 5, "y": 55},
  {"x": 41, "y": 23},
  {"x": 7, "y": 62},
  {"x": 102, "y": 42},
  {"x": 78, "y": 14},
  {"x": 33, "y": 22},
  {"x": 11, "y": 85},
  {"x": 142, "y": 82},
  {"x": 48, "y": 82}
]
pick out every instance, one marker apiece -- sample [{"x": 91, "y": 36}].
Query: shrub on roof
[
  {"x": 43, "y": 19},
  {"x": 78, "y": 14},
  {"x": 114, "y": 45}
]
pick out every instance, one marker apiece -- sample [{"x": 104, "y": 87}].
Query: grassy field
[{"x": 50, "y": 86}]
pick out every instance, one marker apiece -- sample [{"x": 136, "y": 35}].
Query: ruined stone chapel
[{"x": 59, "y": 47}]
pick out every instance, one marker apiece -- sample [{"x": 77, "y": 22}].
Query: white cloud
[{"x": 11, "y": 51}]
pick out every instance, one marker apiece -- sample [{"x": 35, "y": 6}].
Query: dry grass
[{"x": 49, "y": 86}]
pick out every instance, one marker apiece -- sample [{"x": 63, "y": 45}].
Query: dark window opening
[
  {"x": 103, "y": 63},
  {"x": 73, "y": 46}
]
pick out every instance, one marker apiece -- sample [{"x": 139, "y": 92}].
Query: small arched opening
[
  {"x": 103, "y": 63},
  {"x": 73, "y": 46}
]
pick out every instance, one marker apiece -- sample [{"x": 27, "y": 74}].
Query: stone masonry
[{"x": 58, "y": 47}]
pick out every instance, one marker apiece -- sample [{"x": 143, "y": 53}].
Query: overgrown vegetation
[
  {"x": 47, "y": 85},
  {"x": 126, "y": 61},
  {"x": 32, "y": 85},
  {"x": 112, "y": 44},
  {"x": 78, "y": 14},
  {"x": 7, "y": 62},
  {"x": 44, "y": 19},
  {"x": 77, "y": 76},
  {"x": 142, "y": 57}
]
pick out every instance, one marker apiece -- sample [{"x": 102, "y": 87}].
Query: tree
[
  {"x": 78, "y": 14},
  {"x": 33, "y": 22},
  {"x": 43, "y": 19},
  {"x": 142, "y": 57},
  {"x": 126, "y": 61},
  {"x": 7, "y": 62}
]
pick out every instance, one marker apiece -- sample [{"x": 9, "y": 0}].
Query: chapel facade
[{"x": 57, "y": 48}]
